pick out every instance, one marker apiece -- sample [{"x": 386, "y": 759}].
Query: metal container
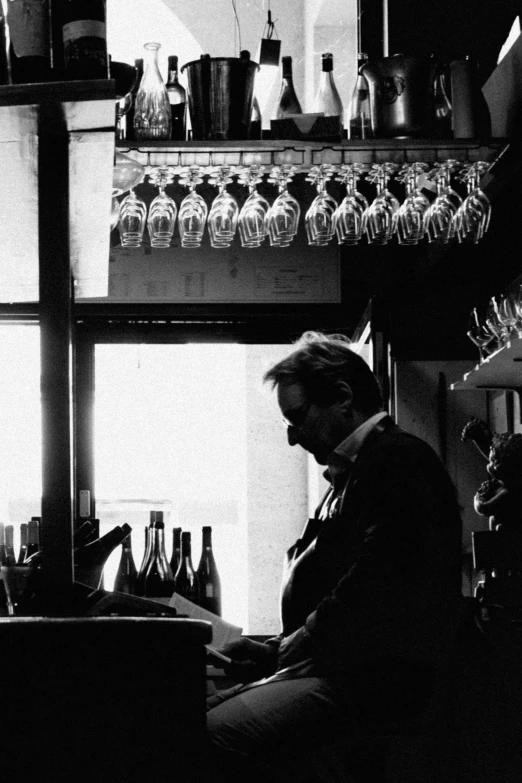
[
  {"x": 220, "y": 96},
  {"x": 401, "y": 96}
]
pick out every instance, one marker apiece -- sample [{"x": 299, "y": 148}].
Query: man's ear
[{"x": 344, "y": 394}]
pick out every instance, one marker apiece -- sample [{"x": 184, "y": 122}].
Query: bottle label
[
  {"x": 28, "y": 27},
  {"x": 83, "y": 28},
  {"x": 209, "y": 591}
]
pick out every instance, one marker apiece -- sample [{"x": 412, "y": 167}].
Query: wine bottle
[
  {"x": 129, "y": 117},
  {"x": 3, "y": 553},
  {"x": 84, "y": 38},
  {"x": 288, "y": 102},
  {"x": 159, "y": 580},
  {"x": 327, "y": 99},
  {"x": 178, "y": 101},
  {"x": 4, "y": 65},
  {"x": 140, "y": 579},
  {"x": 29, "y": 41},
  {"x": 126, "y": 575},
  {"x": 33, "y": 536},
  {"x": 176, "y": 550},
  {"x": 209, "y": 583},
  {"x": 84, "y": 534},
  {"x": 10, "y": 557},
  {"x": 22, "y": 553},
  {"x": 90, "y": 559},
  {"x": 471, "y": 117},
  {"x": 186, "y": 583},
  {"x": 359, "y": 122},
  {"x": 256, "y": 121}
]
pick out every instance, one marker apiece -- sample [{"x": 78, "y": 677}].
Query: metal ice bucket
[{"x": 220, "y": 95}]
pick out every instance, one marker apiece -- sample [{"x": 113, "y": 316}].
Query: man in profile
[{"x": 371, "y": 595}]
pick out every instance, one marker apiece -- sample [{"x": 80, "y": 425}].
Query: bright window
[{"x": 20, "y": 425}]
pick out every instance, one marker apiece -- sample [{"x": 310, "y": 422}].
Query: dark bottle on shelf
[
  {"x": 186, "y": 583},
  {"x": 255, "y": 131},
  {"x": 176, "y": 550},
  {"x": 126, "y": 575},
  {"x": 129, "y": 117},
  {"x": 84, "y": 534},
  {"x": 359, "y": 121},
  {"x": 288, "y": 102},
  {"x": 89, "y": 560},
  {"x": 4, "y": 66},
  {"x": 29, "y": 41},
  {"x": 209, "y": 583},
  {"x": 178, "y": 101},
  {"x": 10, "y": 557},
  {"x": 84, "y": 37},
  {"x": 4, "y": 602},
  {"x": 471, "y": 116},
  {"x": 3, "y": 553},
  {"x": 159, "y": 580},
  {"x": 140, "y": 579},
  {"x": 22, "y": 552},
  {"x": 33, "y": 536}
]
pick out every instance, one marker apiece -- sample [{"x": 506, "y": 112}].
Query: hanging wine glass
[
  {"x": 252, "y": 216},
  {"x": 319, "y": 218},
  {"x": 473, "y": 216},
  {"x": 479, "y": 334},
  {"x": 163, "y": 210},
  {"x": 193, "y": 210},
  {"x": 411, "y": 226},
  {"x": 351, "y": 214},
  {"x": 494, "y": 323},
  {"x": 131, "y": 222},
  {"x": 441, "y": 225},
  {"x": 115, "y": 212},
  {"x": 224, "y": 210},
  {"x": 508, "y": 314},
  {"x": 383, "y": 212},
  {"x": 282, "y": 218}
]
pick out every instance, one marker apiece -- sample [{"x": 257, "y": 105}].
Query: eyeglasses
[{"x": 298, "y": 417}]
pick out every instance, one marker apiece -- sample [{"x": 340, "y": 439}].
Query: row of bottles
[
  {"x": 158, "y": 577},
  {"x": 29, "y": 542},
  {"x": 53, "y": 40},
  {"x": 402, "y": 86}
]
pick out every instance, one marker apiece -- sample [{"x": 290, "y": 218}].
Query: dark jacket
[{"x": 375, "y": 587}]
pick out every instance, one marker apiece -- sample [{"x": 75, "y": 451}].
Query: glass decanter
[{"x": 152, "y": 115}]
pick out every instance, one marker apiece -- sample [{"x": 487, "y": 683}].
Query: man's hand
[{"x": 250, "y": 660}]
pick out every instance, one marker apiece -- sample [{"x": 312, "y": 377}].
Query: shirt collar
[{"x": 344, "y": 455}]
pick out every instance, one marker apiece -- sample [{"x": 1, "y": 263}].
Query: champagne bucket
[
  {"x": 220, "y": 96},
  {"x": 401, "y": 96}
]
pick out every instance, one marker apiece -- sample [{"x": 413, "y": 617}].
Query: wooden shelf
[
  {"x": 310, "y": 153},
  {"x": 501, "y": 370}
]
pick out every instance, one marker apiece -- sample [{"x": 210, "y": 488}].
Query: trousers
[{"x": 297, "y": 729}]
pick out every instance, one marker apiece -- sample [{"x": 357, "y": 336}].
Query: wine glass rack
[{"x": 307, "y": 154}]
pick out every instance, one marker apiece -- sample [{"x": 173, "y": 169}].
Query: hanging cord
[
  {"x": 237, "y": 23},
  {"x": 270, "y": 25}
]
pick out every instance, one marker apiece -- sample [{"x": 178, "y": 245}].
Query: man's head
[{"x": 325, "y": 391}]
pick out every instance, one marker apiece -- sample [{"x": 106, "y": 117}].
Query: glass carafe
[{"x": 152, "y": 115}]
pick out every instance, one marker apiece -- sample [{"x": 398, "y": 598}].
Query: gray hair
[{"x": 318, "y": 362}]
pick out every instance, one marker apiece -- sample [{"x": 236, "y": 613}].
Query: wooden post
[{"x": 56, "y": 384}]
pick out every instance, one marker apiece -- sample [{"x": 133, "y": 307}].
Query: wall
[{"x": 420, "y": 409}]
